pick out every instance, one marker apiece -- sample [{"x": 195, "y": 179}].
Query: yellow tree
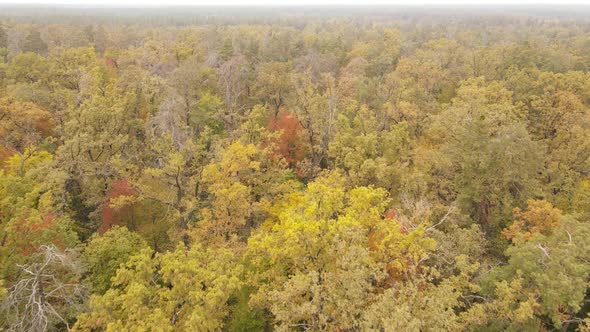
[
  {"x": 241, "y": 183},
  {"x": 540, "y": 217},
  {"x": 186, "y": 290},
  {"x": 23, "y": 127},
  {"x": 326, "y": 251}
]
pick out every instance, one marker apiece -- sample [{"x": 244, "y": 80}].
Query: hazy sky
[{"x": 285, "y": 2}]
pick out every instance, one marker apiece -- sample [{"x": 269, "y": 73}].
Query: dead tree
[{"x": 47, "y": 290}]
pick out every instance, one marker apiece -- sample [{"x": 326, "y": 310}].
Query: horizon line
[{"x": 471, "y": 5}]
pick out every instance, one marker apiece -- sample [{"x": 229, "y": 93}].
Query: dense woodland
[{"x": 291, "y": 171}]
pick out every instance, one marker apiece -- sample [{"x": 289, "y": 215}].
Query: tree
[
  {"x": 31, "y": 227},
  {"x": 540, "y": 217},
  {"x": 581, "y": 199},
  {"x": 326, "y": 252},
  {"x": 124, "y": 206},
  {"x": 28, "y": 68},
  {"x": 507, "y": 309},
  {"x": 547, "y": 275},
  {"x": 558, "y": 118},
  {"x": 34, "y": 43},
  {"x": 28, "y": 219},
  {"x": 227, "y": 50},
  {"x": 3, "y": 45},
  {"x": 273, "y": 85},
  {"x": 233, "y": 84},
  {"x": 380, "y": 50},
  {"x": 100, "y": 39},
  {"x": 67, "y": 68},
  {"x": 158, "y": 291},
  {"x": 421, "y": 304},
  {"x": 23, "y": 127},
  {"x": 316, "y": 109},
  {"x": 171, "y": 180},
  {"x": 289, "y": 144},
  {"x": 3, "y": 38},
  {"x": 103, "y": 254},
  {"x": 191, "y": 81},
  {"x": 99, "y": 132},
  {"x": 3, "y": 291},
  {"x": 241, "y": 183},
  {"x": 494, "y": 159},
  {"x": 369, "y": 153},
  {"x": 47, "y": 296}
]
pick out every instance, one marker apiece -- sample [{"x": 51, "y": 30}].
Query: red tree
[
  {"x": 289, "y": 144},
  {"x": 120, "y": 215}
]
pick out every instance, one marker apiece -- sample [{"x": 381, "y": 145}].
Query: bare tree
[
  {"x": 170, "y": 120},
  {"x": 233, "y": 75},
  {"x": 46, "y": 292}
]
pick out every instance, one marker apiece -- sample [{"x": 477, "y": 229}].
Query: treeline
[{"x": 345, "y": 173}]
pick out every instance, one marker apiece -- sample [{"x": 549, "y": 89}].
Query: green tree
[
  {"x": 272, "y": 85},
  {"x": 494, "y": 160},
  {"x": 98, "y": 132},
  {"x": 193, "y": 81},
  {"x": 34, "y": 43},
  {"x": 27, "y": 68},
  {"x": 3, "y": 45},
  {"x": 103, "y": 254},
  {"x": 550, "y": 273},
  {"x": 369, "y": 153},
  {"x": 3, "y": 38}
]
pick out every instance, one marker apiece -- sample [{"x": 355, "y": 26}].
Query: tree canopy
[{"x": 295, "y": 169}]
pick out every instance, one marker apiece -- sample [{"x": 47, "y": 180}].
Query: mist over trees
[{"x": 295, "y": 169}]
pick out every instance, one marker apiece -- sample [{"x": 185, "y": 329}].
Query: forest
[{"x": 294, "y": 169}]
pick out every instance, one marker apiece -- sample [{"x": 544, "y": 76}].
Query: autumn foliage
[
  {"x": 284, "y": 170},
  {"x": 289, "y": 144},
  {"x": 116, "y": 215},
  {"x": 540, "y": 217}
]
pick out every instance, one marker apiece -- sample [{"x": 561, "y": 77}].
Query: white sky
[{"x": 286, "y": 2}]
